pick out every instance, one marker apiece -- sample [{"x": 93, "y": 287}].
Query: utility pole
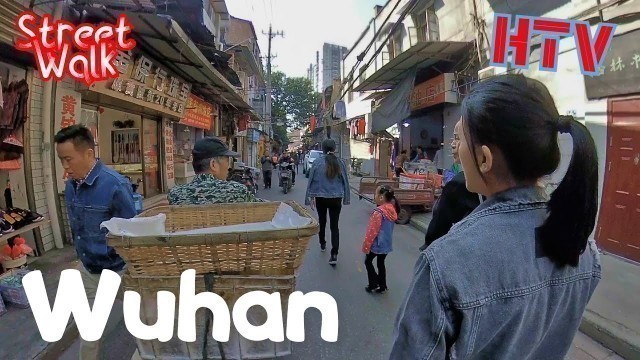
[{"x": 271, "y": 35}]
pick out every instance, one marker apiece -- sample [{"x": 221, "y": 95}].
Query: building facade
[
  {"x": 422, "y": 33},
  {"x": 331, "y": 63}
]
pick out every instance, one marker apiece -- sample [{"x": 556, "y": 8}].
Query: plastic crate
[{"x": 14, "y": 294}]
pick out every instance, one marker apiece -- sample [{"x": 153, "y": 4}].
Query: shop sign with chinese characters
[
  {"x": 434, "y": 91},
  {"x": 168, "y": 146},
  {"x": 620, "y": 71},
  {"x": 199, "y": 113},
  {"x": 146, "y": 84},
  {"x": 68, "y": 111}
]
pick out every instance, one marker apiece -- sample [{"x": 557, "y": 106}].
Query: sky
[{"x": 307, "y": 25}]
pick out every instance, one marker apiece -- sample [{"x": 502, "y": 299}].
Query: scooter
[
  {"x": 245, "y": 177},
  {"x": 285, "y": 177},
  {"x": 247, "y": 180}
]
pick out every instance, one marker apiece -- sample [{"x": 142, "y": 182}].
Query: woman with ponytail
[
  {"x": 378, "y": 241},
  {"x": 328, "y": 189},
  {"x": 513, "y": 278}
]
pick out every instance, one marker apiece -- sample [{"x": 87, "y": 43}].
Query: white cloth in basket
[{"x": 284, "y": 218}]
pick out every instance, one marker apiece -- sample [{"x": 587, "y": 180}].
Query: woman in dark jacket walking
[{"x": 327, "y": 191}]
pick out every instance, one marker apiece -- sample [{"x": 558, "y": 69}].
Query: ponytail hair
[
  {"x": 573, "y": 206},
  {"x": 518, "y": 116},
  {"x": 389, "y": 196},
  {"x": 333, "y": 165}
]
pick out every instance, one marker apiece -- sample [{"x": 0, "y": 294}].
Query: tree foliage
[{"x": 294, "y": 100}]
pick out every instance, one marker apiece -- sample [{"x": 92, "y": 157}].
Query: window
[
  {"x": 395, "y": 43},
  {"x": 426, "y": 25}
]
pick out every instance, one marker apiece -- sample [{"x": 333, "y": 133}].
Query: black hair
[
  {"x": 403, "y": 152},
  {"x": 333, "y": 165},
  {"x": 389, "y": 196},
  {"x": 79, "y": 135},
  {"x": 518, "y": 116},
  {"x": 420, "y": 147}
]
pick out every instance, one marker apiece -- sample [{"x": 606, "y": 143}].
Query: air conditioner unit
[{"x": 492, "y": 71}]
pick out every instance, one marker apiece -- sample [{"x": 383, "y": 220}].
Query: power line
[
  {"x": 398, "y": 23},
  {"x": 361, "y": 56}
]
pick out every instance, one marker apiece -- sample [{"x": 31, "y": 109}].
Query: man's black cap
[{"x": 210, "y": 147}]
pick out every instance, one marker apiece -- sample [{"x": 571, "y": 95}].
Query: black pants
[
  {"x": 378, "y": 279},
  {"x": 333, "y": 206},
  {"x": 399, "y": 171},
  {"x": 267, "y": 178}
]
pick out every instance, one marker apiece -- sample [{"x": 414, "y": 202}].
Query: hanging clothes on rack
[{"x": 12, "y": 118}]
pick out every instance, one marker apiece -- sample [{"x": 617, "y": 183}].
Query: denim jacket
[
  {"x": 383, "y": 244},
  {"x": 103, "y": 195},
  {"x": 321, "y": 186},
  {"x": 484, "y": 291}
]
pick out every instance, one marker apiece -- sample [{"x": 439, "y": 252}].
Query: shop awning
[
  {"x": 377, "y": 95},
  {"x": 162, "y": 38},
  {"x": 395, "y": 107},
  {"x": 423, "y": 54}
]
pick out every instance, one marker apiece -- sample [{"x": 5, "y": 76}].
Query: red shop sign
[
  {"x": 199, "y": 113},
  {"x": 429, "y": 93}
]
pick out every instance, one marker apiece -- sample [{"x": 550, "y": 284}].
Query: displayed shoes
[
  {"x": 19, "y": 220},
  {"x": 28, "y": 215},
  {"x": 333, "y": 260},
  {"x": 370, "y": 288},
  {"x": 5, "y": 227}
]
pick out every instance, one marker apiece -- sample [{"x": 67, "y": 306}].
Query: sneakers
[
  {"x": 323, "y": 247},
  {"x": 370, "y": 288},
  {"x": 5, "y": 227},
  {"x": 382, "y": 290},
  {"x": 333, "y": 260}
]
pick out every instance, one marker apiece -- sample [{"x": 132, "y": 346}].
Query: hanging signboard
[
  {"x": 620, "y": 71},
  {"x": 434, "y": 91},
  {"x": 68, "y": 111},
  {"x": 199, "y": 113},
  {"x": 168, "y": 152},
  {"x": 143, "y": 83}
]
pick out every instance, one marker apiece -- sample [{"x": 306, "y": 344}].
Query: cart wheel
[{"x": 405, "y": 215}]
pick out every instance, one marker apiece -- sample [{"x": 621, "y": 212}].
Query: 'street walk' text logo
[{"x": 85, "y": 52}]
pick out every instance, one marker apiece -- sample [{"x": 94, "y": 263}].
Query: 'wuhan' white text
[{"x": 71, "y": 299}]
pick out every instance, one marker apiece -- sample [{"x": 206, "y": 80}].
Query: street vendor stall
[{"x": 233, "y": 248}]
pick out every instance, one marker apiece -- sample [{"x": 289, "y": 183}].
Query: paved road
[{"x": 366, "y": 320}]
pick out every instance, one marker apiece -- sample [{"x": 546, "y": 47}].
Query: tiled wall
[{"x": 34, "y": 125}]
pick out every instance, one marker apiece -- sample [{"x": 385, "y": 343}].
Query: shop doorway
[{"x": 618, "y": 228}]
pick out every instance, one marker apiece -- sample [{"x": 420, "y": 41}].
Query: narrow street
[{"x": 366, "y": 320}]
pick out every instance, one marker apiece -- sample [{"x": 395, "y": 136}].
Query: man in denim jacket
[{"x": 94, "y": 193}]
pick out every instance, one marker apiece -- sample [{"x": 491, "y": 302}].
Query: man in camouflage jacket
[{"x": 210, "y": 185}]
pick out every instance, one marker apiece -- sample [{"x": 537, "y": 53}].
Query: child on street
[{"x": 379, "y": 237}]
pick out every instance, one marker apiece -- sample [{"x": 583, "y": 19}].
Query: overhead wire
[
  {"x": 373, "y": 40},
  {"x": 399, "y": 23}
]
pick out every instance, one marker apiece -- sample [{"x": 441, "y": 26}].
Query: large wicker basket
[
  {"x": 241, "y": 261},
  {"x": 269, "y": 252}
]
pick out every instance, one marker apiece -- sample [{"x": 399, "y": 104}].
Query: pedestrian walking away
[
  {"x": 501, "y": 280},
  {"x": 94, "y": 194},
  {"x": 328, "y": 189},
  {"x": 378, "y": 240}
]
